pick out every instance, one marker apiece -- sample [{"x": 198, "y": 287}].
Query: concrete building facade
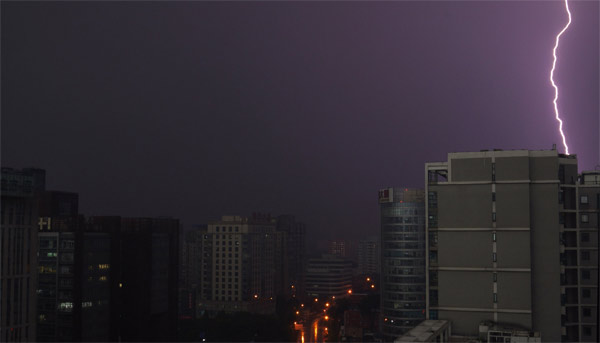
[
  {"x": 239, "y": 265},
  {"x": 497, "y": 227}
]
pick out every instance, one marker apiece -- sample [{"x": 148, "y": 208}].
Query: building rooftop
[{"x": 424, "y": 332}]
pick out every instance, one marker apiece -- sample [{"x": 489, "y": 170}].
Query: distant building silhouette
[
  {"x": 19, "y": 247},
  {"x": 512, "y": 241},
  {"x": 368, "y": 256},
  {"x": 402, "y": 260},
  {"x": 328, "y": 276},
  {"x": 338, "y": 248},
  {"x": 291, "y": 267}
]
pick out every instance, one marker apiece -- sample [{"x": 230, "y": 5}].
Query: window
[
  {"x": 495, "y": 297},
  {"x": 584, "y": 199},
  {"x": 585, "y": 274},
  {"x": 585, "y": 218},
  {"x": 493, "y": 196},
  {"x": 585, "y": 236},
  {"x": 586, "y": 293},
  {"x": 493, "y": 237},
  {"x": 585, "y": 255},
  {"x": 587, "y": 331},
  {"x": 494, "y": 257},
  {"x": 217, "y": 230},
  {"x": 587, "y": 312},
  {"x": 495, "y": 277},
  {"x": 493, "y": 216}
]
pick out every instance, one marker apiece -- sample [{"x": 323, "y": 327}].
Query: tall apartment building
[
  {"x": 402, "y": 260},
  {"x": 239, "y": 267},
  {"x": 368, "y": 256},
  {"x": 507, "y": 244},
  {"x": 328, "y": 276},
  {"x": 18, "y": 250}
]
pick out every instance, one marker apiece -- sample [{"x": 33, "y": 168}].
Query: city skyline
[{"x": 303, "y": 108}]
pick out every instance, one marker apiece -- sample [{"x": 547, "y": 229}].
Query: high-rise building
[
  {"x": 291, "y": 263},
  {"x": 510, "y": 242},
  {"x": 143, "y": 276},
  {"x": 58, "y": 288},
  {"x": 338, "y": 248},
  {"x": 239, "y": 260},
  {"x": 328, "y": 275},
  {"x": 402, "y": 260},
  {"x": 18, "y": 250},
  {"x": 194, "y": 256},
  {"x": 368, "y": 256}
]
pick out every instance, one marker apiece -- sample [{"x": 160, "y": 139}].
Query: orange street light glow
[
  {"x": 297, "y": 312},
  {"x": 327, "y": 304},
  {"x": 349, "y": 291},
  {"x": 316, "y": 299},
  {"x": 372, "y": 286},
  {"x": 326, "y": 317},
  {"x": 368, "y": 279}
]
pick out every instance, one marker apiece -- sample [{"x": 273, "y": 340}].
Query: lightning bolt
[{"x": 560, "y": 123}]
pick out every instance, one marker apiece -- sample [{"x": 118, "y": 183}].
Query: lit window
[
  {"x": 584, "y": 199},
  {"x": 102, "y": 278},
  {"x": 495, "y": 297},
  {"x": 585, "y": 218},
  {"x": 66, "y": 306}
]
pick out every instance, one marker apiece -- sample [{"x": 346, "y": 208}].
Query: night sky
[{"x": 199, "y": 109}]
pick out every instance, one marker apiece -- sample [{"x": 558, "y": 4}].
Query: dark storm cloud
[{"x": 197, "y": 109}]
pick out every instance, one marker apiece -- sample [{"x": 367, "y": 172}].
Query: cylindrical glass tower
[{"x": 402, "y": 260}]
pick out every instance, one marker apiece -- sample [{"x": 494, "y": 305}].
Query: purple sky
[{"x": 198, "y": 109}]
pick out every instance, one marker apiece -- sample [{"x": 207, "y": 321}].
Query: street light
[
  {"x": 326, "y": 317},
  {"x": 326, "y": 304}
]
